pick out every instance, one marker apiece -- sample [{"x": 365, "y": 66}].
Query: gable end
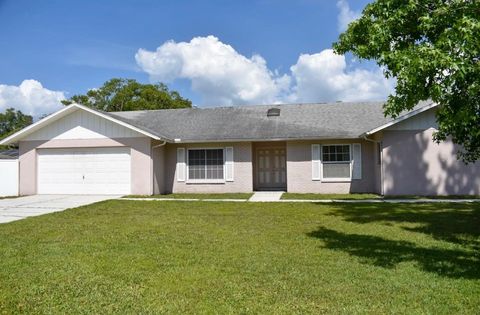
[{"x": 82, "y": 125}]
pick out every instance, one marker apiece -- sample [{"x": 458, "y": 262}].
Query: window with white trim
[
  {"x": 336, "y": 162},
  {"x": 205, "y": 164}
]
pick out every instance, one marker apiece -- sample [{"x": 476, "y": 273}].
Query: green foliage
[
  {"x": 432, "y": 48},
  {"x": 180, "y": 257},
  {"x": 13, "y": 120},
  {"x": 127, "y": 94}
]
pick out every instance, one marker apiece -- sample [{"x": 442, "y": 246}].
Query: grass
[
  {"x": 433, "y": 197},
  {"x": 243, "y": 196},
  {"x": 8, "y": 197},
  {"x": 298, "y": 196},
  {"x": 295, "y": 196},
  {"x": 122, "y": 256}
]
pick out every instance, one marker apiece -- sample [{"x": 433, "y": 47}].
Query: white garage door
[{"x": 84, "y": 171}]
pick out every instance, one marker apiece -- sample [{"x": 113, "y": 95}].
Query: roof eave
[
  {"x": 399, "y": 119},
  {"x": 65, "y": 111},
  {"x": 186, "y": 141},
  {"x": 35, "y": 126}
]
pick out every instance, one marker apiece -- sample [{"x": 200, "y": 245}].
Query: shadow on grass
[
  {"x": 456, "y": 223},
  {"x": 387, "y": 253}
]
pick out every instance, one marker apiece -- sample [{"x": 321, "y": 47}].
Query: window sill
[
  {"x": 205, "y": 181},
  {"x": 336, "y": 180}
]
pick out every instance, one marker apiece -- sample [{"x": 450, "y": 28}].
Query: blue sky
[{"x": 68, "y": 47}]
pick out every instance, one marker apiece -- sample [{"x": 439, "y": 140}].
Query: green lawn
[
  {"x": 8, "y": 197},
  {"x": 243, "y": 196},
  {"x": 433, "y": 197},
  {"x": 295, "y": 196},
  {"x": 124, "y": 256}
]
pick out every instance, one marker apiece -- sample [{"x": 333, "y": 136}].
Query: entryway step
[{"x": 265, "y": 196}]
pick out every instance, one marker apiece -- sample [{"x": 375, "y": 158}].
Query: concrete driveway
[{"x": 12, "y": 209}]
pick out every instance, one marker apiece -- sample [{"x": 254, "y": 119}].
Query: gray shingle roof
[{"x": 296, "y": 121}]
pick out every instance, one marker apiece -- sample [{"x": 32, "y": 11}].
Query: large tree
[
  {"x": 432, "y": 48},
  {"x": 127, "y": 94},
  {"x": 13, "y": 120}
]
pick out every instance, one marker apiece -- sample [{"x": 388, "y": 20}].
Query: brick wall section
[
  {"x": 243, "y": 173},
  {"x": 299, "y": 169}
]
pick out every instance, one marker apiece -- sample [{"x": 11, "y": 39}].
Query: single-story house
[{"x": 303, "y": 148}]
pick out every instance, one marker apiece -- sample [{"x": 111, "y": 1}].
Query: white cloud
[
  {"x": 324, "y": 77},
  {"x": 217, "y": 72},
  {"x": 222, "y": 76},
  {"x": 345, "y": 15},
  {"x": 30, "y": 97}
]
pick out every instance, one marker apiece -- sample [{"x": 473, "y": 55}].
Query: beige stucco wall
[
  {"x": 377, "y": 160},
  {"x": 299, "y": 169},
  {"x": 141, "y": 168},
  {"x": 414, "y": 165},
  {"x": 158, "y": 160},
  {"x": 243, "y": 181}
]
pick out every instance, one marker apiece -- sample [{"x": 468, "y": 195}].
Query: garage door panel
[{"x": 84, "y": 171}]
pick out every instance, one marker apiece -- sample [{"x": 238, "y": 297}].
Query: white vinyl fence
[{"x": 9, "y": 177}]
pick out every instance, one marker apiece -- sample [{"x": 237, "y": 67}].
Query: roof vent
[{"x": 273, "y": 112}]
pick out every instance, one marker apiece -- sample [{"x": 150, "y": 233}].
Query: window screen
[
  {"x": 336, "y": 161},
  {"x": 205, "y": 164}
]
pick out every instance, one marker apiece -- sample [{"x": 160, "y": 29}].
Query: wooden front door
[{"x": 271, "y": 168}]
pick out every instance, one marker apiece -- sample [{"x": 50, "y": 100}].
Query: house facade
[{"x": 302, "y": 148}]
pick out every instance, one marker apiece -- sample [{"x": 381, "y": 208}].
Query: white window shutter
[
  {"x": 316, "y": 162},
  {"x": 229, "y": 164},
  {"x": 181, "y": 164},
  {"x": 357, "y": 161}
]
